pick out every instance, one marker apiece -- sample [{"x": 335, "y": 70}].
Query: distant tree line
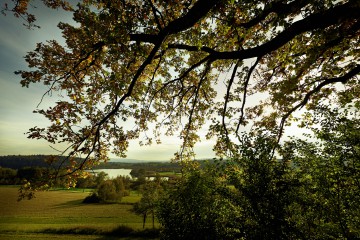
[
  {"x": 8, "y": 176},
  {"x": 20, "y": 161},
  {"x": 42, "y": 161}
]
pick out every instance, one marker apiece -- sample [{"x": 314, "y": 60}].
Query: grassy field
[{"x": 59, "y": 214}]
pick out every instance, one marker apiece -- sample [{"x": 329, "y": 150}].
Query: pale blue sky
[{"x": 17, "y": 103}]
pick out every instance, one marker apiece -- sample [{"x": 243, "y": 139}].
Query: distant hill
[{"x": 21, "y": 161}]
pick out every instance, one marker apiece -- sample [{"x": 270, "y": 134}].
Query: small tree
[
  {"x": 140, "y": 181},
  {"x": 101, "y": 177},
  {"x": 264, "y": 189},
  {"x": 107, "y": 192},
  {"x": 87, "y": 181},
  {"x": 147, "y": 205},
  {"x": 195, "y": 208},
  {"x": 120, "y": 186}
]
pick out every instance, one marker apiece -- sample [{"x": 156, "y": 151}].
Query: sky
[{"x": 17, "y": 103}]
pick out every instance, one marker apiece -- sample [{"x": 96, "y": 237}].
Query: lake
[{"x": 113, "y": 173}]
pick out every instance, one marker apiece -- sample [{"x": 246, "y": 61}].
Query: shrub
[{"x": 107, "y": 192}]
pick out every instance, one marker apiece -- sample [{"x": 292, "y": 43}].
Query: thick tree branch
[
  {"x": 197, "y": 12},
  {"x": 277, "y": 7},
  {"x": 141, "y": 37},
  {"x": 347, "y": 11}
]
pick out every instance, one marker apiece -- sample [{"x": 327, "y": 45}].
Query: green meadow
[{"x": 60, "y": 214}]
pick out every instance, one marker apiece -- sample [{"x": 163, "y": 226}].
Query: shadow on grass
[
  {"x": 73, "y": 230},
  {"x": 124, "y": 231},
  {"x": 121, "y": 232},
  {"x": 77, "y": 203},
  {"x": 68, "y": 204}
]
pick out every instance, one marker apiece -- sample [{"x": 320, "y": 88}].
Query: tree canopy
[
  {"x": 310, "y": 191},
  {"x": 174, "y": 66}
]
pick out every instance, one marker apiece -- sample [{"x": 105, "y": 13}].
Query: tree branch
[
  {"x": 227, "y": 98},
  {"x": 154, "y": 10},
  {"x": 343, "y": 79},
  {"x": 203, "y": 77},
  {"x": 246, "y": 83},
  {"x": 197, "y": 12},
  {"x": 191, "y": 48},
  {"x": 347, "y": 11},
  {"x": 277, "y": 7},
  {"x": 141, "y": 37}
]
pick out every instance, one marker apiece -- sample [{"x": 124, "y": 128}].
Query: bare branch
[
  {"x": 227, "y": 98},
  {"x": 155, "y": 12},
  {"x": 246, "y": 83},
  {"x": 186, "y": 73}
]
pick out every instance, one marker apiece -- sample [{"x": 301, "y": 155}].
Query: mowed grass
[{"x": 61, "y": 210}]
